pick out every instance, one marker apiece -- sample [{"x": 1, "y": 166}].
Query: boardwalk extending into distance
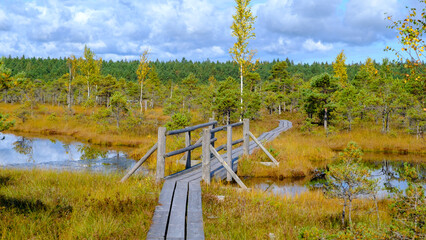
[{"x": 179, "y": 213}]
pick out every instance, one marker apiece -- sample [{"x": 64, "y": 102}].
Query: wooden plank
[
  {"x": 194, "y": 227},
  {"x": 166, "y": 193},
  {"x": 161, "y": 215},
  {"x": 176, "y": 226},
  {"x": 159, "y": 225}
]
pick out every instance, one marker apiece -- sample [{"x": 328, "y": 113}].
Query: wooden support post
[
  {"x": 229, "y": 151},
  {"x": 226, "y": 166},
  {"x": 161, "y": 151},
  {"x": 138, "y": 164},
  {"x": 188, "y": 153},
  {"x": 206, "y": 156},
  {"x": 211, "y": 127},
  {"x": 246, "y": 137},
  {"x": 263, "y": 148}
]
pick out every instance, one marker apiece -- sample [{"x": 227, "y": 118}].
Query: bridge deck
[{"x": 179, "y": 213}]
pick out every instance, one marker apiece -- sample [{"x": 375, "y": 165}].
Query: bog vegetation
[{"x": 380, "y": 105}]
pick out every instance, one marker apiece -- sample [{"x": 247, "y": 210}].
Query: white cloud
[
  {"x": 194, "y": 29},
  {"x": 312, "y": 46}
]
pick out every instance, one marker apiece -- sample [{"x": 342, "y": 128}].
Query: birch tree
[{"x": 242, "y": 28}]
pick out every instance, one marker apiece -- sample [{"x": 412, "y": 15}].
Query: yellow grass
[{"x": 256, "y": 215}]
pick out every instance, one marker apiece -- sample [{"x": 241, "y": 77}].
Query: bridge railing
[{"x": 207, "y": 143}]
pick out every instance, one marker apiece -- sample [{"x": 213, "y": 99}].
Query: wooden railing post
[
  {"x": 188, "y": 153},
  {"x": 211, "y": 127},
  {"x": 229, "y": 151},
  {"x": 161, "y": 151},
  {"x": 246, "y": 136},
  {"x": 206, "y": 156}
]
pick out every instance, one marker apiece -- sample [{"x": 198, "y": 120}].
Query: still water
[
  {"x": 30, "y": 152},
  {"x": 382, "y": 166}
]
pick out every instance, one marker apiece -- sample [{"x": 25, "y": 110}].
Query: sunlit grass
[
  {"x": 40, "y": 204},
  {"x": 255, "y": 215}
]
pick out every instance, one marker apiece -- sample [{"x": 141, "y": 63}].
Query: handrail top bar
[
  {"x": 218, "y": 129},
  {"x": 189, "y": 129},
  {"x": 189, "y": 148}
]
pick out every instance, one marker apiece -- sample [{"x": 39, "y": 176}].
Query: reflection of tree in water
[
  {"x": 390, "y": 171},
  {"x": 24, "y": 146},
  {"x": 88, "y": 152}
]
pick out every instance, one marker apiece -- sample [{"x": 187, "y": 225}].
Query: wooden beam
[
  {"x": 226, "y": 166},
  {"x": 188, "y": 153},
  {"x": 229, "y": 150},
  {"x": 188, "y": 129},
  {"x": 263, "y": 148},
  {"x": 246, "y": 138},
  {"x": 206, "y": 156},
  {"x": 161, "y": 152},
  {"x": 140, "y": 162}
]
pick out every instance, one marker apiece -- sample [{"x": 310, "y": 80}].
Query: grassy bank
[
  {"x": 299, "y": 153},
  {"x": 256, "y": 215},
  {"x": 41, "y": 204}
]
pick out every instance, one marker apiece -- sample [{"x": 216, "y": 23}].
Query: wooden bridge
[{"x": 179, "y": 213}]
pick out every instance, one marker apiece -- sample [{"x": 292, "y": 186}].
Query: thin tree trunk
[
  {"x": 350, "y": 213},
  {"x": 241, "y": 75},
  {"x": 343, "y": 212},
  {"x": 140, "y": 98}
]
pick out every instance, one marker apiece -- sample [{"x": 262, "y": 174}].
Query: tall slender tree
[
  {"x": 142, "y": 72},
  {"x": 242, "y": 29}
]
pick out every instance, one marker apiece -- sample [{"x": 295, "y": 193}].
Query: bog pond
[{"x": 34, "y": 152}]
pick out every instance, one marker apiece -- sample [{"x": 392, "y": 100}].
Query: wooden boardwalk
[{"x": 179, "y": 213}]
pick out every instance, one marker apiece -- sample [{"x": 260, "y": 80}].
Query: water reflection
[
  {"x": 25, "y": 152},
  {"x": 386, "y": 172},
  {"x": 24, "y": 146}
]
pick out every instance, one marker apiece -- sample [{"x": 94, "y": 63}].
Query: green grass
[{"x": 42, "y": 204}]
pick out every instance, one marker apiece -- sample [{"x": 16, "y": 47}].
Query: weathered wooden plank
[
  {"x": 194, "y": 225},
  {"x": 161, "y": 215},
  {"x": 166, "y": 193},
  {"x": 176, "y": 226},
  {"x": 159, "y": 225},
  {"x": 194, "y": 197}
]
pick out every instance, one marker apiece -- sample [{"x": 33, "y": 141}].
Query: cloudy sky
[{"x": 302, "y": 30}]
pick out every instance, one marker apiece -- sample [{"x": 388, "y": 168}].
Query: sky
[{"x": 301, "y": 30}]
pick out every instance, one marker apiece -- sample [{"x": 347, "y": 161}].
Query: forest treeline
[{"x": 336, "y": 95}]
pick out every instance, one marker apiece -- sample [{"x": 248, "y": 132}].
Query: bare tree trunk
[
  {"x": 241, "y": 74},
  {"x": 350, "y": 120},
  {"x": 343, "y": 212},
  {"x": 140, "y": 97},
  {"x": 325, "y": 122},
  {"x": 279, "y": 109}
]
